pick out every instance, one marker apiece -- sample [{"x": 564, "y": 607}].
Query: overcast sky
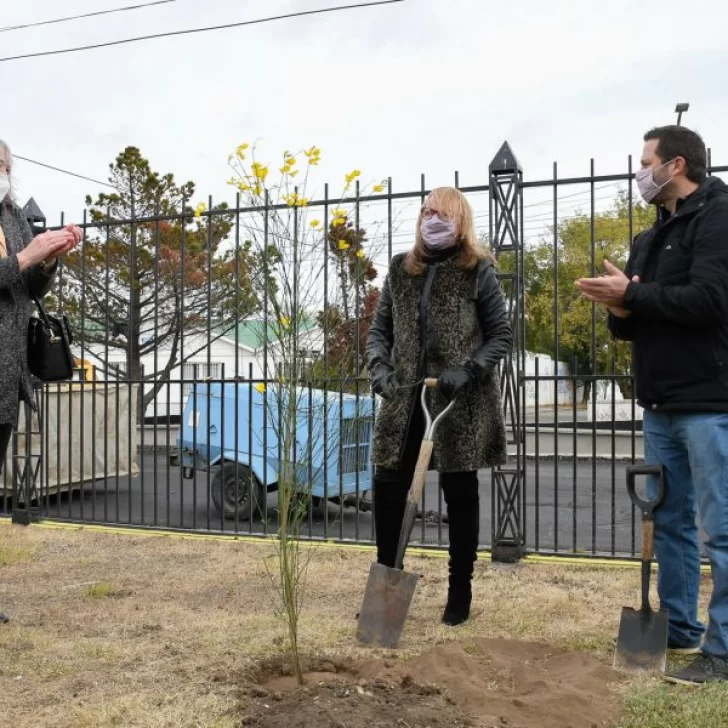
[{"x": 420, "y": 86}]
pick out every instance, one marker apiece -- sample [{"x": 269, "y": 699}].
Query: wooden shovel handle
[
  {"x": 648, "y": 539},
  {"x": 431, "y": 382},
  {"x": 418, "y": 480}
]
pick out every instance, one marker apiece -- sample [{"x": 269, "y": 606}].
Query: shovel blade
[
  {"x": 642, "y": 641},
  {"x": 387, "y": 600}
]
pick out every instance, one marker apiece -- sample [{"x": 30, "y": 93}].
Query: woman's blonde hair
[
  {"x": 10, "y": 198},
  {"x": 452, "y": 204}
]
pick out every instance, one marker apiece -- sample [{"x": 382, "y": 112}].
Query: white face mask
[
  {"x": 649, "y": 189},
  {"x": 4, "y": 186}
]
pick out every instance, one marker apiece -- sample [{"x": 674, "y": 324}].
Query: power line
[
  {"x": 259, "y": 21},
  {"x": 63, "y": 171},
  {"x": 85, "y": 15}
]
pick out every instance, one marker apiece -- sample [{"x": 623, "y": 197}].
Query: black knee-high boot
[
  {"x": 390, "y": 494},
  {"x": 463, "y": 510}
]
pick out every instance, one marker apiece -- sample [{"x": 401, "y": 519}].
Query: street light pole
[{"x": 679, "y": 109}]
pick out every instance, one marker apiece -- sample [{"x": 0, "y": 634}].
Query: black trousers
[
  {"x": 6, "y": 432},
  {"x": 463, "y": 509}
]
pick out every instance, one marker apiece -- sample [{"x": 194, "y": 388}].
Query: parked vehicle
[{"x": 234, "y": 430}]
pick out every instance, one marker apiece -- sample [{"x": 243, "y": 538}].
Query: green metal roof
[{"x": 251, "y": 332}]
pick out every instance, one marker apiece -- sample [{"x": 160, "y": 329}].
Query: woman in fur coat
[{"x": 441, "y": 314}]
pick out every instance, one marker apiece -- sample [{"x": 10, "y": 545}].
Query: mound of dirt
[{"x": 490, "y": 683}]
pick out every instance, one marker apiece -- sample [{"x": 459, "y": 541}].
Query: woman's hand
[
  {"x": 383, "y": 381},
  {"x": 77, "y": 235},
  {"x": 453, "y": 382},
  {"x": 48, "y": 246}
]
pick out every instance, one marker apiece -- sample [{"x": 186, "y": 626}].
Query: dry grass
[{"x": 124, "y": 630}]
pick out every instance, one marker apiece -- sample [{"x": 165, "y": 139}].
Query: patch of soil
[
  {"x": 489, "y": 683},
  {"x": 340, "y": 703}
]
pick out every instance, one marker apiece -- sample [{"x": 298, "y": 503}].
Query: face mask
[
  {"x": 437, "y": 234},
  {"x": 649, "y": 189},
  {"x": 4, "y": 186}
]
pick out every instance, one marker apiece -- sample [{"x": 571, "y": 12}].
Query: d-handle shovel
[
  {"x": 389, "y": 592},
  {"x": 642, "y": 639}
]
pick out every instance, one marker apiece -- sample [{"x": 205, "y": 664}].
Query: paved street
[{"x": 580, "y": 507}]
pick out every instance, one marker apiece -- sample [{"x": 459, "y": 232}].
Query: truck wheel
[{"x": 230, "y": 489}]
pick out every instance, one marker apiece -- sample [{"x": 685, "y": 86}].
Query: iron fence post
[{"x": 505, "y": 192}]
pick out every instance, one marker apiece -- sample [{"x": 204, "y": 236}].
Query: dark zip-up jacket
[{"x": 679, "y": 309}]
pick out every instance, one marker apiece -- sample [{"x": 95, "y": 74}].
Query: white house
[{"x": 240, "y": 353}]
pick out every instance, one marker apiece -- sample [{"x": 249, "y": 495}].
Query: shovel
[
  {"x": 389, "y": 592},
  {"x": 642, "y": 639}
]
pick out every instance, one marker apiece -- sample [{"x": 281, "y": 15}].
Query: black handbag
[{"x": 49, "y": 346}]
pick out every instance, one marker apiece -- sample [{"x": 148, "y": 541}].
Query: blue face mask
[{"x": 438, "y": 234}]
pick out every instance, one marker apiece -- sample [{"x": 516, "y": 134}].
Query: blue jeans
[{"x": 693, "y": 450}]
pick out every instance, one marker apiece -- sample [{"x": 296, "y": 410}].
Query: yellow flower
[
  {"x": 285, "y": 169},
  {"x": 343, "y": 245},
  {"x": 338, "y": 212},
  {"x": 294, "y": 173},
  {"x": 360, "y": 253},
  {"x": 260, "y": 171},
  {"x": 285, "y": 322},
  {"x": 313, "y": 155},
  {"x": 240, "y": 151},
  {"x": 337, "y": 221},
  {"x": 315, "y": 223},
  {"x": 295, "y": 199},
  {"x": 378, "y": 188},
  {"x": 258, "y": 190},
  {"x": 200, "y": 209},
  {"x": 260, "y": 387},
  {"x": 243, "y": 187},
  {"x": 290, "y": 160},
  {"x": 352, "y": 176}
]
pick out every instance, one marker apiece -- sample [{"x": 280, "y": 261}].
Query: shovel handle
[
  {"x": 648, "y": 534},
  {"x": 420, "y": 476},
  {"x": 648, "y": 539},
  {"x": 413, "y": 499},
  {"x": 646, "y": 506},
  {"x": 430, "y": 382}
]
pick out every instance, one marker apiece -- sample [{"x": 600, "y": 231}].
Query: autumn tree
[
  {"x": 152, "y": 270},
  {"x": 346, "y": 320},
  {"x": 579, "y": 255}
]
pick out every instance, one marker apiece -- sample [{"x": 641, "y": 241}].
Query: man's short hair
[{"x": 678, "y": 141}]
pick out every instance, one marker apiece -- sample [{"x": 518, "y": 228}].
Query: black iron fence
[{"x": 189, "y": 322}]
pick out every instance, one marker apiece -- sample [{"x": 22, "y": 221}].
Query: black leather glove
[
  {"x": 454, "y": 382},
  {"x": 383, "y": 381}
]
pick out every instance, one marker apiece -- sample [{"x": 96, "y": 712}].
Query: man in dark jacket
[{"x": 672, "y": 303}]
